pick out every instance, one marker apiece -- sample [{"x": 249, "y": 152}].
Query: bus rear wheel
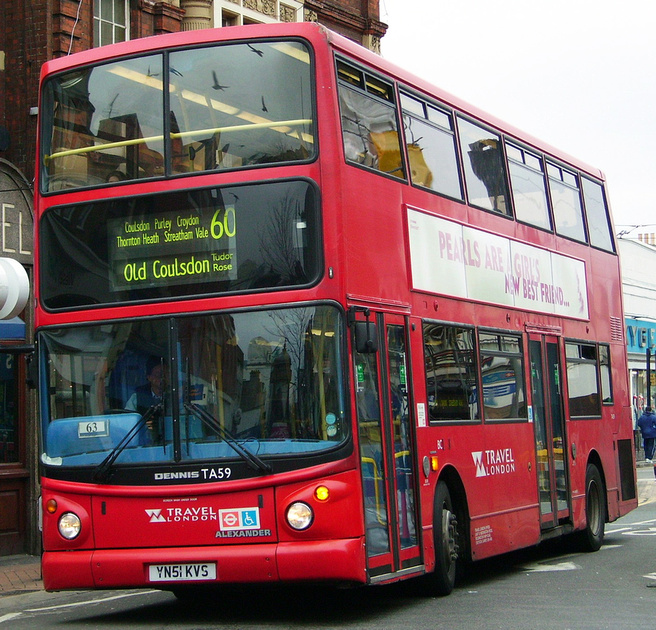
[
  {"x": 445, "y": 534},
  {"x": 592, "y": 537}
]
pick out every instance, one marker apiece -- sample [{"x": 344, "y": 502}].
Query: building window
[
  {"x": 110, "y": 21},
  {"x": 239, "y": 12},
  {"x": 9, "y": 426}
]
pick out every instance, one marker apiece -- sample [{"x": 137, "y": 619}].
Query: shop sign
[
  {"x": 640, "y": 335},
  {"x": 15, "y": 214}
]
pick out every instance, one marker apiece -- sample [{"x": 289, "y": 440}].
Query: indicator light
[{"x": 322, "y": 493}]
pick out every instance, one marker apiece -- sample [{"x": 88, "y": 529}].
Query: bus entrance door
[
  {"x": 546, "y": 380},
  {"x": 385, "y": 427}
]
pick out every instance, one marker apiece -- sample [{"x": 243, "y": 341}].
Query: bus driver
[{"x": 148, "y": 395}]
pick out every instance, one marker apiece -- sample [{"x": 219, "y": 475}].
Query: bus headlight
[
  {"x": 69, "y": 525},
  {"x": 299, "y": 516}
]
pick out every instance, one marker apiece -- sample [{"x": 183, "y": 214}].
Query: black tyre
[
  {"x": 592, "y": 537},
  {"x": 445, "y": 534}
]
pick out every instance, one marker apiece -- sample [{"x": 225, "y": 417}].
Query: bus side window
[
  {"x": 583, "y": 380},
  {"x": 566, "y": 200},
  {"x": 483, "y": 162},
  {"x": 369, "y": 128},
  {"x": 528, "y": 187},
  {"x": 601, "y": 234},
  {"x": 430, "y": 141},
  {"x": 450, "y": 359},
  {"x": 370, "y": 134}
]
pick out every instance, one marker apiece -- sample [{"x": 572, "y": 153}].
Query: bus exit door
[
  {"x": 549, "y": 426},
  {"x": 385, "y": 427}
]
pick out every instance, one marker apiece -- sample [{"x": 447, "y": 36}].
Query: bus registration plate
[{"x": 191, "y": 572}]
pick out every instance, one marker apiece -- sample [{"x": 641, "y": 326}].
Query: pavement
[{"x": 21, "y": 573}]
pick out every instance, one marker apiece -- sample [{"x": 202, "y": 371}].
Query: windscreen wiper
[
  {"x": 210, "y": 421},
  {"x": 104, "y": 469}
]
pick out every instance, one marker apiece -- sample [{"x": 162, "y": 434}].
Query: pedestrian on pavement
[{"x": 647, "y": 424}]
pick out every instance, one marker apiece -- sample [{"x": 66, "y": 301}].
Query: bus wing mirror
[{"x": 366, "y": 338}]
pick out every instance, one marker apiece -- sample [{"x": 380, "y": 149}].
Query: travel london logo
[
  {"x": 156, "y": 516},
  {"x": 180, "y": 515},
  {"x": 494, "y": 462}
]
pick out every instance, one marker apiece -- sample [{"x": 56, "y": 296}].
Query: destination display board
[
  {"x": 192, "y": 246},
  {"x": 181, "y": 243}
]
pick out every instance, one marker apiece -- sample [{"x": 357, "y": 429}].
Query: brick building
[{"x": 35, "y": 31}]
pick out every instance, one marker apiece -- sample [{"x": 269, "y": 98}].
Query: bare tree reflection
[{"x": 280, "y": 240}]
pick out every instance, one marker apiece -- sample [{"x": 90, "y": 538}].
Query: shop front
[
  {"x": 18, "y": 464},
  {"x": 641, "y": 347}
]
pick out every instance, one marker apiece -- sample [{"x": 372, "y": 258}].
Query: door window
[
  {"x": 550, "y": 439},
  {"x": 401, "y": 432},
  {"x": 371, "y": 453}
]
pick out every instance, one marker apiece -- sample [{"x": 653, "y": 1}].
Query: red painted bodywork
[
  {"x": 365, "y": 246},
  {"x": 122, "y": 534}
]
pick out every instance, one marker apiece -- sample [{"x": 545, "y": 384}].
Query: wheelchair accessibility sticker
[
  {"x": 239, "y": 519},
  {"x": 241, "y": 523}
]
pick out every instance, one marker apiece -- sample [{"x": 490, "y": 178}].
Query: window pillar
[{"x": 198, "y": 14}]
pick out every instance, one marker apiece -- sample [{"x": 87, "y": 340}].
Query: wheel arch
[
  {"x": 595, "y": 460},
  {"x": 450, "y": 476}
]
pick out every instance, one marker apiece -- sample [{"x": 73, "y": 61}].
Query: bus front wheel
[{"x": 445, "y": 534}]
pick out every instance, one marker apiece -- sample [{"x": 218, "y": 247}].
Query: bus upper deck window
[
  {"x": 483, "y": 165},
  {"x": 103, "y": 120},
  {"x": 369, "y": 128},
  {"x": 566, "y": 200},
  {"x": 431, "y": 146},
  {"x": 231, "y": 108},
  {"x": 228, "y": 109},
  {"x": 597, "y": 213},
  {"x": 528, "y": 187}
]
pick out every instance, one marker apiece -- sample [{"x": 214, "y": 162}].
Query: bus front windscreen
[
  {"x": 226, "y": 106},
  {"x": 240, "y": 390}
]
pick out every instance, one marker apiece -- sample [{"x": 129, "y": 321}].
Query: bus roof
[{"x": 315, "y": 33}]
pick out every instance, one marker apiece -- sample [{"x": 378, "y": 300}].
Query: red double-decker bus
[{"x": 303, "y": 317}]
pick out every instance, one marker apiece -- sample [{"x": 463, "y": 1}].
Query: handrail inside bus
[{"x": 177, "y": 135}]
